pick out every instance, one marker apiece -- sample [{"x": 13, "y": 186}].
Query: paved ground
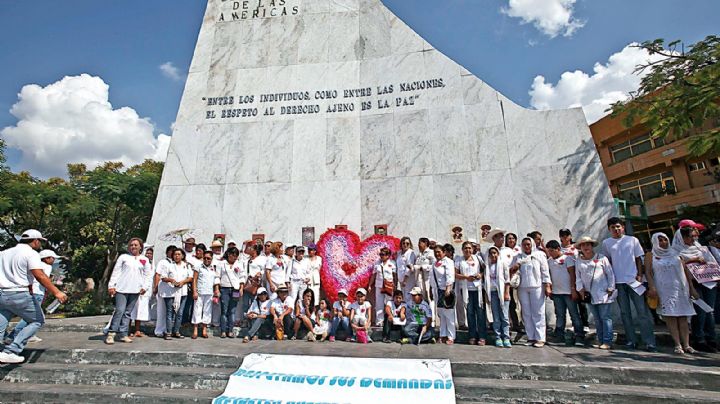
[{"x": 54, "y": 337}]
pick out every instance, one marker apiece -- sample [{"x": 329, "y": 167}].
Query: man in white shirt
[
  {"x": 299, "y": 274},
  {"x": 625, "y": 253},
  {"x": 19, "y": 267},
  {"x": 48, "y": 258}
]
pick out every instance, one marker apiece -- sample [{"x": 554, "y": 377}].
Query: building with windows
[{"x": 654, "y": 180}]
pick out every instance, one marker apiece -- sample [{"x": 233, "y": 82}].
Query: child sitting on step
[{"x": 361, "y": 317}]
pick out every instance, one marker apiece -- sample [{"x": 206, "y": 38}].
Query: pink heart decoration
[{"x": 348, "y": 262}]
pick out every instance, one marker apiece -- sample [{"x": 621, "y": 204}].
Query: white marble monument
[{"x": 312, "y": 113}]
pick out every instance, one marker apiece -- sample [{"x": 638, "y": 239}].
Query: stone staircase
[{"x": 73, "y": 365}]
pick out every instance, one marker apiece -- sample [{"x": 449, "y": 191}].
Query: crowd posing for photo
[{"x": 423, "y": 295}]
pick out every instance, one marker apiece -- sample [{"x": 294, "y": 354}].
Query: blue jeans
[
  {"x": 23, "y": 305},
  {"x": 247, "y": 300},
  {"x": 563, "y": 304},
  {"x": 477, "y": 319},
  {"x": 626, "y": 294},
  {"x": 173, "y": 320},
  {"x": 228, "y": 304},
  {"x": 22, "y": 323},
  {"x": 603, "y": 322},
  {"x": 703, "y": 324},
  {"x": 501, "y": 325},
  {"x": 124, "y": 306},
  {"x": 342, "y": 324}
]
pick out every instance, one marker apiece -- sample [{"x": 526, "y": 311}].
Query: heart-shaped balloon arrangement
[{"x": 348, "y": 262}]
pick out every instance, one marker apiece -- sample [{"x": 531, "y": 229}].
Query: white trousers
[
  {"x": 532, "y": 301},
  {"x": 297, "y": 289},
  {"x": 447, "y": 323},
  {"x": 202, "y": 310},
  {"x": 161, "y": 315},
  {"x": 381, "y": 300}
]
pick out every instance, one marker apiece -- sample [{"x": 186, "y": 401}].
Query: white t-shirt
[
  {"x": 361, "y": 310},
  {"x": 492, "y": 273},
  {"x": 15, "y": 266},
  {"x": 131, "y": 274},
  {"x": 192, "y": 260},
  {"x": 299, "y": 271},
  {"x": 207, "y": 279},
  {"x": 622, "y": 253},
  {"x": 571, "y": 254},
  {"x": 384, "y": 271},
  {"x": 176, "y": 272},
  {"x": 560, "y": 275},
  {"x": 261, "y": 308},
  {"x": 277, "y": 268},
  {"x": 469, "y": 268},
  {"x": 340, "y": 306},
  {"x": 281, "y": 305},
  {"x": 395, "y": 309},
  {"x": 39, "y": 289},
  {"x": 315, "y": 264},
  {"x": 232, "y": 275}
]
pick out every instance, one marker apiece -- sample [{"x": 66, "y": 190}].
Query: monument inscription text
[
  {"x": 236, "y": 10},
  {"x": 325, "y": 101}
]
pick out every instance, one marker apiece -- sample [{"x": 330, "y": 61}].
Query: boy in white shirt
[
  {"x": 394, "y": 315},
  {"x": 564, "y": 295},
  {"x": 625, "y": 253}
]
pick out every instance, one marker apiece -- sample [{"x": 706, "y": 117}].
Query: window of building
[
  {"x": 700, "y": 165},
  {"x": 644, "y": 231},
  {"x": 648, "y": 188},
  {"x": 633, "y": 147},
  {"x": 714, "y": 162}
]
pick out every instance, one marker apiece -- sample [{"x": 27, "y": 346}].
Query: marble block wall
[{"x": 302, "y": 113}]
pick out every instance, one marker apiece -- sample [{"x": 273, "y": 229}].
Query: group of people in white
[{"x": 277, "y": 293}]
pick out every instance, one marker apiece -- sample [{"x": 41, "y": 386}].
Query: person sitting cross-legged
[
  {"x": 417, "y": 328},
  {"x": 394, "y": 315}
]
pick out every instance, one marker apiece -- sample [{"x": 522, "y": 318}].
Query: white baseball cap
[
  {"x": 416, "y": 291},
  {"x": 472, "y": 240},
  {"x": 231, "y": 242},
  {"x": 260, "y": 291},
  {"x": 48, "y": 254},
  {"x": 342, "y": 291},
  {"x": 32, "y": 234},
  {"x": 362, "y": 290}
]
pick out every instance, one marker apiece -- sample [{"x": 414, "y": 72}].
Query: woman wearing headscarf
[
  {"x": 669, "y": 279},
  {"x": 405, "y": 267},
  {"x": 703, "y": 324},
  {"x": 535, "y": 283}
]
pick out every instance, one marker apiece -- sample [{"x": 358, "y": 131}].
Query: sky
[{"x": 89, "y": 81}]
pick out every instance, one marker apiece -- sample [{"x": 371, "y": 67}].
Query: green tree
[{"x": 679, "y": 95}]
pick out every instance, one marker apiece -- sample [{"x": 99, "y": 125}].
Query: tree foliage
[
  {"x": 88, "y": 218},
  {"x": 679, "y": 95}
]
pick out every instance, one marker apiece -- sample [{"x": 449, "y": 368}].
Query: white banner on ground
[{"x": 265, "y": 378}]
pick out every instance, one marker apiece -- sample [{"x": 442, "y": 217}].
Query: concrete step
[
  {"x": 168, "y": 377},
  {"x": 210, "y": 368},
  {"x": 132, "y": 358},
  {"x": 61, "y": 393},
  {"x": 476, "y": 390}
]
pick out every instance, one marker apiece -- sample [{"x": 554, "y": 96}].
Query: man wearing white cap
[
  {"x": 48, "y": 258},
  {"x": 19, "y": 266}
]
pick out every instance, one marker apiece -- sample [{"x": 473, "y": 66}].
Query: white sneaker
[
  {"x": 11, "y": 358},
  {"x": 34, "y": 339}
]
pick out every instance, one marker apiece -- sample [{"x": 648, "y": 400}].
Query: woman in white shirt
[
  {"x": 407, "y": 276},
  {"x": 385, "y": 273},
  {"x": 275, "y": 270},
  {"x": 669, "y": 279},
  {"x": 594, "y": 276},
  {"x": 233, "y": 276},
  {"x": 173, "y": 289},
  {"x": 442, "y": 283},
  {"x": 130, "y": 278},
  {"x": 534, "y": 286},
  {"x": 315, "y": 263},
  {"x": 469, "y": 273},
  {"x": 206, "y": 287}
]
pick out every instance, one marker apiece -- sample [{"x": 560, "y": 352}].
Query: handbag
[
  {"x": 587, "y": 297},
  {"x": 388, "y": 287},
  {"x": 445, "y": 301},
  {"x": 251, "y": 286}
]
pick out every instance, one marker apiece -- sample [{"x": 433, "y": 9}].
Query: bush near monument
[{"x": 86, "y": 218}]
